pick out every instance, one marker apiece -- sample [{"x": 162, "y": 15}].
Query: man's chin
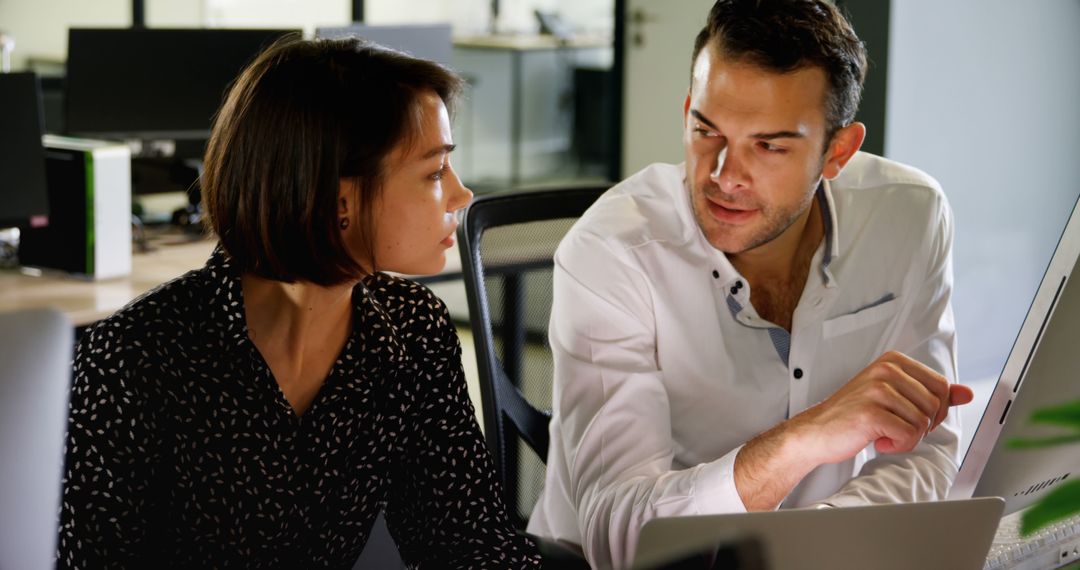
[{"x": 735, "y": 242}]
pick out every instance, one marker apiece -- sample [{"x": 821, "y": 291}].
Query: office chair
[{"x": 506, "y": 243}]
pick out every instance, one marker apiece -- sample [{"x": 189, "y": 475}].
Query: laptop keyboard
[{"x": 1053, "y": 546}]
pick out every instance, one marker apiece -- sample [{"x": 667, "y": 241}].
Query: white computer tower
[{"x": 89, "y": 230}]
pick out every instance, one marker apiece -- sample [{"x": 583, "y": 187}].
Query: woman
[{"x": 262, "y": 410}]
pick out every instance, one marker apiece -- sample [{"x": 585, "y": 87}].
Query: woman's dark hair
[
  {"x": 786, "y": 35},
  {"x": 302, "y": 116}
]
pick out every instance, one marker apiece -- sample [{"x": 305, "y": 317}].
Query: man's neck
[
  {"x": 778, "y": 271},
  {"x": 780, "y": 260}
]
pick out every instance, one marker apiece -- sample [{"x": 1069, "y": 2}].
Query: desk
[{"x": 85, "y": 302}]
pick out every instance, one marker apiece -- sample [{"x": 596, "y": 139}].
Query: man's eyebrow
[
  {"x": 697, "y": 115},
  {"x": 760, "y": 136},
  {"x": 443, "y": 149},
  {"x": 778, "y": 135}
]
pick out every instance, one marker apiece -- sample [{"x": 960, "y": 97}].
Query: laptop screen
[{"x": 1041, "y": 372}]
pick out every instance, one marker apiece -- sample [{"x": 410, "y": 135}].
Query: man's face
[{"x": 754, "y": 142}]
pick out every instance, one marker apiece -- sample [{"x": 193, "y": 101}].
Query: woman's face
[{"x": 414, "y": 214}]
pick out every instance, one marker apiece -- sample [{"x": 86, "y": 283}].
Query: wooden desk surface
[{"x": 85, "y": 302}]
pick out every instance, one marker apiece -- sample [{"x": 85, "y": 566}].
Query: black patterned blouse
[{"x": 182, "y": 451}]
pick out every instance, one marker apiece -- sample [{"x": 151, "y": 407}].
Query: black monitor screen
[
  {"x": 154, "y": 83},
  {"x": 23, "y": 193}
]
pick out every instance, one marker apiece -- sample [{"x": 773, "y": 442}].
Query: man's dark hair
[
  {"x": 300, "y": 118},
  {"x": 786, "y": 35}
]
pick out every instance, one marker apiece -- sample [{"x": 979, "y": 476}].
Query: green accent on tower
[{"x": 89, "y": 161}]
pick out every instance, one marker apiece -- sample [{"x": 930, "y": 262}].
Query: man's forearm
[
  {"x": 893, "y": 403},
  {"x": 769, "y": 466}
]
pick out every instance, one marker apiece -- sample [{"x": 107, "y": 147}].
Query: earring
[{"x": 344, "y": 223}]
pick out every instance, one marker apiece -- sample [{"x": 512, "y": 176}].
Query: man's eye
[{"x": 767, "y": 147}]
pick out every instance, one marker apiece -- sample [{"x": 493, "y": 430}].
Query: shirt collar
[
  {"x": 226, "y": 309},
  {"x": 832, "y": 240},
  {"x": 228, "y": 320},
  {"x": 719, "y": 266}
]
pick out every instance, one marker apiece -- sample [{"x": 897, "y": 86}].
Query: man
[{"x": 768, "y": 325}]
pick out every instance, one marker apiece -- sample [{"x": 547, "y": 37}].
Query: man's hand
[{"x": 894, "y": 402}]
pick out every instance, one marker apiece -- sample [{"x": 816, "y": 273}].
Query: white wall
[
  {"x": 985, "y": 96},
  {"x": 40, "y": 26},
  {"x": 304, "y": 14}
]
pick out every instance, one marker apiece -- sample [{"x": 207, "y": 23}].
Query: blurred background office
[
  {"x": 520, "y": 123},
  {"x": 982, "y": 94}
]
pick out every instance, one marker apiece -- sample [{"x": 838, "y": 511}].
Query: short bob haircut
[{"x": 302, "y": 116}]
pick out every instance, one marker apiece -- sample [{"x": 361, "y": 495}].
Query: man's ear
[
  {"x": 684, "y": 128},
  {"x": 845, "y": 143}
]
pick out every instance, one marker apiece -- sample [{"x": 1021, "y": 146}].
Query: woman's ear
[
  {"x": 347, "y": 188},
  {"x": 348, "y": 192}
]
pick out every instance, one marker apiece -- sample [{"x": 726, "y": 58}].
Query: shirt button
[
  {"x": 798, "y": 373},
  {"x": 715, "y": 274},
  {"x": 738, "y": 284},
  {"x": 734, "y": 290}
]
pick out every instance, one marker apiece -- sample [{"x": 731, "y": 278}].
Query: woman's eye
[{"x": 441, "y": 172}]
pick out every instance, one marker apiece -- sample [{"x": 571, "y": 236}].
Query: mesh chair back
[{"x": 507, "y": 242}]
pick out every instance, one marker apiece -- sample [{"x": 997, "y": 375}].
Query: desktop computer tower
[{"x": 89, "y": 230}]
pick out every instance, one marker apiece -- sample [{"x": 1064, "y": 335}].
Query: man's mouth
[{"x": 729, "y": 213}]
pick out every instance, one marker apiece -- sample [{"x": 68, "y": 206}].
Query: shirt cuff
[
  {"x": 714, "y": 487},
  {"x": 841, "y": 500}
]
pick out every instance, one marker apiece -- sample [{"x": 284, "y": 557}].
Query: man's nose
[{"x": 729, "y": 173}]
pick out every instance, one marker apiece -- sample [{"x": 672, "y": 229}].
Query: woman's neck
[
  {"x": 293, "y": 314},
  {"x": 299, "y": 329}
]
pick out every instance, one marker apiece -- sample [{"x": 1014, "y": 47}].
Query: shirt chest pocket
[{"x": 860, "y": 320}]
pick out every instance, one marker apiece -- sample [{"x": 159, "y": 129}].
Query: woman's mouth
[{"x": 448, "y": 241}]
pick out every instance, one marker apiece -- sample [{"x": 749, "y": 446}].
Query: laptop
[
  {"x": 943, "y": 534},
  {"x": 1043, "y": 370},
  {"x": 35, "y": 378}
]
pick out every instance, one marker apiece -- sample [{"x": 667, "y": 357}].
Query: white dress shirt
[{"x": 663, "y": 369}]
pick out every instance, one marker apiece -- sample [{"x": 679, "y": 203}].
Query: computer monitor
[
  {"x": 430, "y": 41},
  {"x": 1043, "y": 370},
  {"x": 23, "y": 191},
  {"x": 153, "y": 83}
]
